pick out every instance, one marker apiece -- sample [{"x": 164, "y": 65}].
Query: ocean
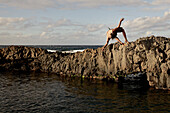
[
  {"x": 36, "y": 92},
  {"x": 62, "y": 48}
]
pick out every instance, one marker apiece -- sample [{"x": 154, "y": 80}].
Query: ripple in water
[{"x": 40, "y": 92}]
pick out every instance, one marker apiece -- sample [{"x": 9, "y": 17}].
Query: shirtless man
[{"x": 112, "y": 34}]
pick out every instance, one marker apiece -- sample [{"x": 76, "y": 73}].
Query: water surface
[{"x": 49, "y": 93}]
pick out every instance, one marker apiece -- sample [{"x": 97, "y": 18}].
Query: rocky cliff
[{"x": 149, "y": 54}]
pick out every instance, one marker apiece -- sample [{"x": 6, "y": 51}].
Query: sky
[{"x": 80, "y": 22}]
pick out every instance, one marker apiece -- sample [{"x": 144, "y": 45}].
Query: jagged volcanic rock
[{"x": 149, "y": 54}]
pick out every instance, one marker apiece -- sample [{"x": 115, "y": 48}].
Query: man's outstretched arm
[{"x": 106, "y": 43}]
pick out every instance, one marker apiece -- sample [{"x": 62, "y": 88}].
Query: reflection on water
[{"x": 40, "y": 92}]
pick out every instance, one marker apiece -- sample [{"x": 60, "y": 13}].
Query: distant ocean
[{"x": 62, "y": 48}]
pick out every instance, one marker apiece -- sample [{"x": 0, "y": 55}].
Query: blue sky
[{"x": 76, "y": 22}]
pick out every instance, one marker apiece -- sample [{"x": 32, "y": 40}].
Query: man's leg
[
  {"x": 120, "y": 22},
  {"x": 124, "y": 34},
  {"x": 119, "y": 40}
]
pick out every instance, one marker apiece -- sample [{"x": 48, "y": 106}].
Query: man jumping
[{"x": 112, "y": 34}]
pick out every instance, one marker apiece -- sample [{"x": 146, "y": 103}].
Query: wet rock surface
[{"x": 150, "y": 55}]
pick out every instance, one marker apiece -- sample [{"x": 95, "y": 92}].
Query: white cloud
[
  {"x": 144, "y": 26},
  {"x": 43, "y": 34},
  {"x": 157, "y": 8},
  {"x": 68, "y": 4},
  {"x": 16, "y": 23},
  {"x": 167, "y": 14},
  {"x": 59, "y": 23},
  {"x": 149, "y": 33},
  {"x": 29, "y": 4},
  {"x": 100, "y": 3},
  {"x": 94, "y": 27},
  {"x": 10, "y": 38},
  {"x": 161, "y": 2},
  {"x": 8, "y": 21},
  {"x": 145, "y": 23},
  {"x": 158, "y": 5}
]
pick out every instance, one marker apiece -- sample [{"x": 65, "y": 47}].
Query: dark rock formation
[
  {"x": 150, "y": 55},
  {"x": 134, "y": 81}
]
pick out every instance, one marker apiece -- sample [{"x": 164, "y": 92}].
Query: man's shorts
[{"x": 114, "y": 33}]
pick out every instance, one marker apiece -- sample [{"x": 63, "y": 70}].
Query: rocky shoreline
[{"x": 150, "y": 55}]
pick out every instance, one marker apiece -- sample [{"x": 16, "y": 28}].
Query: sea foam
[{"x": 71, "y": 51}]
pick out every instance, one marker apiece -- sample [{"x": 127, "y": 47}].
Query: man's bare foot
[
  {"x": 127, "y": 42},
  {"x": 121, "y": 19}
]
